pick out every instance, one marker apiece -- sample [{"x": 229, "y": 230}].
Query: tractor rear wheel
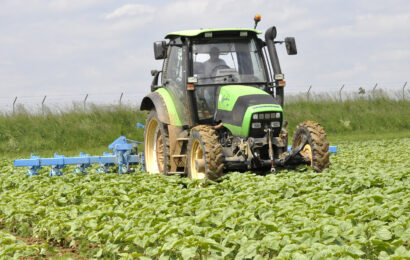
[
  {"x": 156, "y": 144},
  {"x": 205, "y": 158},
  {"x": 316, "y": 149}
]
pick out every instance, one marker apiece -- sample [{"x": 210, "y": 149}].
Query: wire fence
[{"x": 293, "y": 93}]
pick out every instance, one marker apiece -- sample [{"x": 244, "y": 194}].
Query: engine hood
[
  {"x": 237, "y": 103},
  {"x": 229, "y": 95}
]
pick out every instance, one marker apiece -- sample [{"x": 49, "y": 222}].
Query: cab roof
[{"x": 194, "y": 33}]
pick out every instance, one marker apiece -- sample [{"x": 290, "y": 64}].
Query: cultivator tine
[
  {"x": 33, "y": 170},
  {"x": 82, "y": 167},
  {"x": 57, "y": 169}
]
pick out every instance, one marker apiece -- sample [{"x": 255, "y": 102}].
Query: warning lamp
[{"x": 257, "y": 19}]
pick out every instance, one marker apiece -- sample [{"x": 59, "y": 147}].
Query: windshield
[{"x": 225, "y": 61}]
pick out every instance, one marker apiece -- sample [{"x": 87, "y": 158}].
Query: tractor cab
[{"x": 219, "y": 104}]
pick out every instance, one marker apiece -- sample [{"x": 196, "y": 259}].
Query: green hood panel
[
  {"x": 243, "y": 130},
  {"x": 237, "y": 104},
  {"x": 228, "y": 95}
]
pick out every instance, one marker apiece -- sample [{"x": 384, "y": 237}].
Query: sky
[{"x": 65, "y": 49}]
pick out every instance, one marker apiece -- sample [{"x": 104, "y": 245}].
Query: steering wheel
[{"x": 219, "y": 67}]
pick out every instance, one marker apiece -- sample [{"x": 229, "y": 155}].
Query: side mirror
[
  {"x": 291, "y": 46},
  {"x": 160, "y": 50}
]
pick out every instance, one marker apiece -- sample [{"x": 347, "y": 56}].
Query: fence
[{"x": 294, "y": 92}]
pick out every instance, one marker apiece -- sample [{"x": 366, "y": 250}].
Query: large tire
[
  {"x": 156, "y": 145},
  {"x": 316, "y": 149},
  {"x": 205, "y": 158}
]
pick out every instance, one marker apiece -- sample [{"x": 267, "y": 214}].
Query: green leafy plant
[{"x": 358, "y": 208}]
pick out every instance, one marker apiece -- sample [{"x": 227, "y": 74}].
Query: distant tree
[{"x": 362, "y": 91}]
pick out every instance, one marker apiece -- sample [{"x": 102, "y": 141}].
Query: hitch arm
[{"x": 292, "y": 153}]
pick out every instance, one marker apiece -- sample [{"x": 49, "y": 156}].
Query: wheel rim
[
  {"x": 197, "y": 160},
  {"x": 159, "y": 151},
  {"x": 151, "y": 141},
  {"x": 306, "y": 151}
]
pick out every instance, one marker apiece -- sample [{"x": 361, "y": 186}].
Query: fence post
[
  {"x": 42, "y": 104},
  {"x": 374, "y": 89},
  {"x": 15, "y": 99},
  {"x": 405, "y": 84},
  {"x": 308, "y": 93},
  {"x": 122, "y": 93},
  {"x": 85, "y": 100},
  {"x": 340, "y": 92}
]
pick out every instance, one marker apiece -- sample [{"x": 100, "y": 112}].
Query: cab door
[{"x": 174, "y": 80}]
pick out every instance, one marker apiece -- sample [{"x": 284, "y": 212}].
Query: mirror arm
[{"x": 154, "y": 84}]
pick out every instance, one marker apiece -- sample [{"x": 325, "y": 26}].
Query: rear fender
[
  {"x": 162, "y": 102},
  {"x": 155, "y": 101}
]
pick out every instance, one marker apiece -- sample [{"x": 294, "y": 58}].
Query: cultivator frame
[{"x": 124, "y": 154}]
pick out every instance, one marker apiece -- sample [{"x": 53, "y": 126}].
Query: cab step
[
  {"x": 176, "y": 173},
  {"x": 178, "y": 156}
]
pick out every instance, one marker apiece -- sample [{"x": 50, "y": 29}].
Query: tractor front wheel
[
  {"x": 156, "y": 145},
  {"x": 316, "y": 149},
  {"x": 205, "y": 158}
]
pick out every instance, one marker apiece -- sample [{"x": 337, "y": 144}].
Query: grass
[
  {"x": 74, "y": 130},
  {"x": 91, "y": 131}
]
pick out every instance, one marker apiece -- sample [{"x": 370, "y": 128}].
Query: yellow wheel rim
[
  {"x": 159, "y": 151},
  {"x": 306, "y": 151},
  {"x": 151, "y": 142},
  {"x": 197, "y": 161}
]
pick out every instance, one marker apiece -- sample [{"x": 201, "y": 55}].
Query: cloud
[
  {"x": 336, "y": 76},
  {"x": 371, "y": 25},
  {"x": 392, "y": 55},
  {"x": 77, "y": 46},
  {"x": 130, "y": 10}
]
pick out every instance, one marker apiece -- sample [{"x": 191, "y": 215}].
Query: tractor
[{"x": 217, "y": 106}]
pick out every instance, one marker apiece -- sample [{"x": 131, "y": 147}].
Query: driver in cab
[{"x": 213, "y": 62}]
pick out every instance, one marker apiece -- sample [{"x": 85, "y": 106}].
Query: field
[{"x": 359, "y": 208}]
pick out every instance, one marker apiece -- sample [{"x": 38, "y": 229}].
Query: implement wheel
[
  {"x": 205, "y": 158},
  {"x": 156, "y": 142},
  {"x": 316, "y": 150}
]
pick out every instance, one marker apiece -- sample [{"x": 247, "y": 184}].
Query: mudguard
[{"x": 162, "y": 101}]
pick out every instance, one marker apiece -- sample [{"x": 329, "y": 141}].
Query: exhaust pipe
[{"x": 270, "y": 36}]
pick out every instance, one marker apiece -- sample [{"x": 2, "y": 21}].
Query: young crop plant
[{"x": 359, "y": 208}]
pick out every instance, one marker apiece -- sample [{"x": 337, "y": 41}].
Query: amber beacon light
[{"x": 257, "y": 19}]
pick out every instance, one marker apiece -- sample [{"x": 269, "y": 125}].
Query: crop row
[{"x": 357, "y": 208}]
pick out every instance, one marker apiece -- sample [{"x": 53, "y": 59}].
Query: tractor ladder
[{"x": 179, "y": 157}]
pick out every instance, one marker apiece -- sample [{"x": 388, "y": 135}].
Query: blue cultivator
[{"x": 124, "y": 154}]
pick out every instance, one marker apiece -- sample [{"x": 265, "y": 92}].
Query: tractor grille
[{"x": 265, "y": 120}]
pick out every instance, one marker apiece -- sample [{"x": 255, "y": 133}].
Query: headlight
[
  {"x": 255, "y": 116},
  {"x": 275, "y": 124},
  {"x": 256, "y": 125},
  {"x": 277, "y": 115}
]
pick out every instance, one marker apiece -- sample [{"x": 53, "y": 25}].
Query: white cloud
[
  {"x": 392, "y": 55},
  {"x": 370, "y": 25},
  {"x": 131, "y": 10},
  {"x": 347, "y": 73},
  {"x": 77, "y": 46}
]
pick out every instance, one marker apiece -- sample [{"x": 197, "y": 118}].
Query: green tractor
[{"x": 219, "y": 107}]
